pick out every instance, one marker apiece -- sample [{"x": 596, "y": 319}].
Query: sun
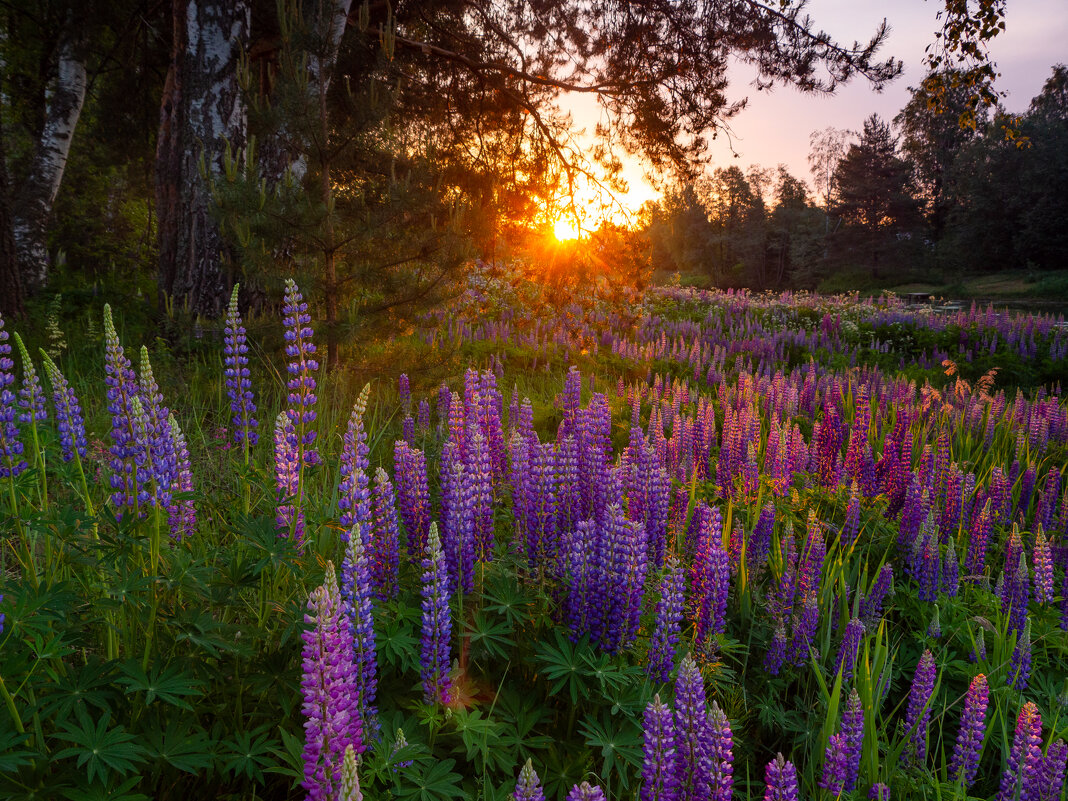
[{"x": 565, "y": 229}]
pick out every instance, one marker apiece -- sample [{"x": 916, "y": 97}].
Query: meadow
[{"x": 685, "y": 544}]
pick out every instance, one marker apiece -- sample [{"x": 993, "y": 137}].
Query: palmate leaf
[
  {"x": 620, "y": 744},
  {"x": 100, "y": 749},
  {"x": 493, "y": 636},
  {"x": 168, "y": 683},
  {"x": 564, "y": 665},
  {"x": 12, "y": 755},
  {"x": 213, "y": 636},
  {"x": 395, "y": 640},
  {"x": 188, "y": 750},
  {"x": 82, "y": 687},
  {"x": 521, "y": 714},
  {"x": 248, "y": 753},
  {"x": 506, "y": 598},
  {"x": 437, "y": 782},
  {"x": 99, "y": 792},
  {"x": 479, "y": 734}
]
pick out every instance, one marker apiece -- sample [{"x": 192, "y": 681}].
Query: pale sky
[{"x": 775, "y": 126}]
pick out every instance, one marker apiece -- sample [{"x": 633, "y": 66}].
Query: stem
[{"x": 11, "y": 708}]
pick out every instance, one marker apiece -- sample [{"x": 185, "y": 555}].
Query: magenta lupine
[
  {"x": 183, "y": 513},
  {"x": 11, "y": 448},
  {"x": 528, "y": 786},
  {"x": 965, "y": 762},
  {"x": 289, "y": 515},
  {"x": 665, "y": 634},
  {"x": 918, "y": 713},
  {"x": 659, "y": 780},
  {"x": 358, "y": 610},
  {"x": 329, "y": 692},
  {"x": 237, "y": 377},
  {"x": 353, "y": 495},
  {"x": 586, "y": 792},
  {"x": 847, "y": 652},
  {"x": 1020, "y": 663},
  {"x": 69, "y": 418},
  {"x": 1021, "y": 780},
  {"x": 979, "y": 539},
  {"x": 384, "y": 550},
  {"x": 693, "y": 758},
  {"x": 780, "y": 780},
  {"x": 437, "y": 623},
  {"x": 1043, "y": 564},
  {"x": 721, "y": 754}
]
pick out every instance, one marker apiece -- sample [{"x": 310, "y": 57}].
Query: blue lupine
[
  {"x": 237, "y": 377},
  {"x": 11, "y": 448},
  {"x": 358, "y": 607},
  {"x": 69, "y": 418},
  {"x": 659, "y": 781},
  {"x": 780, "y": 780},
  {"x": 918, "y": 713},
  {"x": 665, "y": 634},
  {"x": 437, "y": 622},
  {"x": 693, "y": 757},
  {"x": 354, "y": 496},
  {"x": 965, "y": 762}
]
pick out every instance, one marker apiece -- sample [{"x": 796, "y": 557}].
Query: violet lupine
[
  {"x": 162, "y": 459},
  {"x": 951, "y": 570},
  {"x": 851, "y": 527},
  {"x": 353, "y": 495},
  {"x": 350, "y": 778},
  {"x": 528, "y": 786},
  {"x": 11, "y": 448},
  {"x": 759, "y": 545},
  {"x": 69, "y": 418},
  {"x": 1020, "y": 662},
  {"x": 835, "y": 765},
  {"x": 777, "y": 652},
  {"x": 853, "y": 731},
  {"x": 693, "y": 758},
  {"x": 404, "y": 392},
  {"x": 1021, "y": 780},
  {"x": 423, "y": 418},
  {"x": 969, "y": 745},
  {"x": 237, "y": 377},
  {"x": 586, "y": 792},
  {"x": 665, "y": 634},
  {"x": 1053, "y": 765},
  {"x": 871, "y": 608},
  {"x": 413, "y": 494},
  {"x": 182, "y": 514},
  {"x": 659, "y": 782},
  {"x": 384, "y": 550},
  {"x": 301, "y": 398},
  {"x": 358, "y": 608},
  {"x": 918, "y": 713},
  {"x": 400, "y": 742},
  {"x": 711, "y": 585},
  {"x": 721, "y": 754},
  {"x": 437, "y": 622},
  {"x": 979, "y": 539},
  {"x": 1043, "y": 564},
  {"x": 846, "y": 660},
  {"x": 128, "y": 451},
  {"x": 329, "y": 691},
  {"x": 31, "y": 395},
  {"x": 879, "y": 792},
  {"x": 780, "y": 780},
  {"x": 289, "y": 515}
]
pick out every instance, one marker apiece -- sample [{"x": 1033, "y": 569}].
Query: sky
[{"x": 775, "y": 127}]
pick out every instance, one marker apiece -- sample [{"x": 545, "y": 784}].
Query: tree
[
  {"x": 873, "y": 192},
  {"x": 791, "y": 227},
  {"x": 826, "y": 149}
]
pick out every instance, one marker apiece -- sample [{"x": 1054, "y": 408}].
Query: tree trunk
[
  {"x": 34, "y": 199},
  {"x": 202, "y": 114},
  {"x": 10, "y": 280}
]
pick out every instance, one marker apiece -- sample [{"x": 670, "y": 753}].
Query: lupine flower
[
  {"x": 879, "y": 792},
  {"x": 413, "y": 494},
  {"x": 780, "y": 780},
  {"x": 871, "y": 608},
  {"x": 585, "y": 792},
  {"x": 11, "y": 449},
  {"x": 1021, "y": 780},
  {"x": 162, "y": 458},
  {"x": 424, "y": 415},
  {"x": 354, "y": 497},
  {"x": 384, "y": 552},
  {"x": 1053, "y": 765},
  {"x": 693, "y": 758},
  {"x": 1020, "y": 663},
  {"x": 659, "y": 782},
  {"x": 237, "y": 376},
  {"x": 1043, "y": 562},
  {"x": 721, "y": 754},
  {"x": 979, "y": 650},
  {"x": 918, "y": 714},
  {"x": 289, "y": 514},
  {"x": 301, "y": 351},
  {"x": 358, "y": 609},
  {"x": 665, "y": 634},
  {"x": 128, "y": 451},
  {"x": 437, "y": 622},
  {"x": 182, "y": 514},
  {"x": 528, "y": 787},
  {"x": 835, "y": 765},
  {"x": 329, "y": 692},
  {"x": 404, "y": 391},
  {"x": 965, "y": 762},
  {"x": 400, "y": 742},
  {"x": 851, "y": 527},
  {"x": 68, "y": 412},
  {"x": 847, "y": 652},
  {"x": 350, "y": 779},
  {"x": 853, "y": 731},
  {"x": 805, "y": 627},
  {"x": 776, "y": 655}
]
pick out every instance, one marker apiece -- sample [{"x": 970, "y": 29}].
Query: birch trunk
[
  {"x": 35, "y": 198},
  {"x": 203, "y": 112}
]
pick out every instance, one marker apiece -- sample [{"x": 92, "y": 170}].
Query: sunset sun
[{"x": 565, "y": 229}]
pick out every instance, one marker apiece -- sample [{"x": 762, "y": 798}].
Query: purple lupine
[
  {"x": 665, "y": 634},
  {"x": 329, "y": 692},
  {"x": 1021, "y": 780},
  {"x": 721, "y": 754},
  {"x": 353, "y": 495},
  {"x": 659, "y": 781},
  {"x": 951, "y": 570},
  {"x": 847, "y": 652},
  {"x": 528, "y": 786},
  {"x": 835, "y": 765},
  {"x": 1043, "y": 563},
  {"x": 404, "y": 392},
  {"x": 384, "y": 550},
  {"x": 237, "y": 377},
  {"x": 759, "y": 545},
  {"x": 918, "y": 713},
  {"x": 69, "y": 418},
  {"x": 586, "y": 792},
  {"x": 128, "y": 451},
  {"x": 711, "y": 585},
  {"x": 776, "y": 654},
  {"x": 871, "y": 608},
  {"x": 289, "y": 515},
  {"x": 301, "y": 384},
  {"x": 437, "y": 622},
  {"x": 1047, "y": 504},
  {"x": 1020, "y": 662},
  {"x": 926, "y": 564},
  {"x": 853, "y": 731},
  {"x": 31, "y": 395},
  {"x": 1053, "y": 765},
  {"x": 965, "y": 762},
  {"x": 806, "y": 625},
  {"x": 11, "y": 448},
  {"x": 934, "y": 628},
  {"x": 693, "y": 766},
  {"x": 851, "y": 527},
  {"x": 780, "y": 780},
  {"x": 162, "y": 459},
  {"x": 183, "y": 513},
  {"x": 979, "y": 539},
  {"x": 1027, "y": 489},
  {"x": 1016, "y": 589},
  {"x": 358, "y": 610},
  {"x": 413, "y": 494},
  {"x": 423, "y": 418},
  {"x": 879, "y": 792},
  {"x": 400, "y": 742}
]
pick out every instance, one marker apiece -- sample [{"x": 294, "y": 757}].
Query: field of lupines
[{"x": 694, "y": 546}]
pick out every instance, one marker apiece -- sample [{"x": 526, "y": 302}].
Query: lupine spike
[
  {"x": 659, "y": 782},
  {"x": 437, "y": 622},
  {"x": 237, "y": 377},
  {"x": 528, "y": 786},
  {"x": 965, "y": 762},
  {"x": 780, "y": 780}
]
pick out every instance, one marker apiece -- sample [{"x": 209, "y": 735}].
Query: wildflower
[
  {"x": 384, "y": 550},
  {"x": 399, "y": 743},
  {"x": 871, "y": 608},
  {"x": 693, "y": 757},
  {"x": 1020, "y": 663},
  {"x": 1021, "y": 780},
  {"x": 780, "y": 780},
  {"x": 358, "y": 609},
  {"x": 853, "y": 732},
  {"x": 68, "y": 412},
  {"x": 965, "y": 762},
  {"x": 128, "y": 452},
  {"x": 354, "y": 498},
  {"x": 237, "y": 377},
  {"x": 721, "y": 745},
  {"x": 289, "y": 514},
  {"x": 31, "y": 396},
  {"x": 413, "y": 494},
  {"x": 11, "y": 449},
  {"x": 300, "y": 350},
  {"x": 183, "y": 514},
  {"x": 665, "y": 634},
  {"x": 918, "y": 713},
  {"x": 437, "y": 622},
  {"x": 658, "y": 766},
  {"x": 879, "y": 792},
  {"x": 847, "y": 652},
  {"x": 1043, "y": 563},
  {"x": 350, "y": 779},
  {"x": 585, "y": 792}
]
